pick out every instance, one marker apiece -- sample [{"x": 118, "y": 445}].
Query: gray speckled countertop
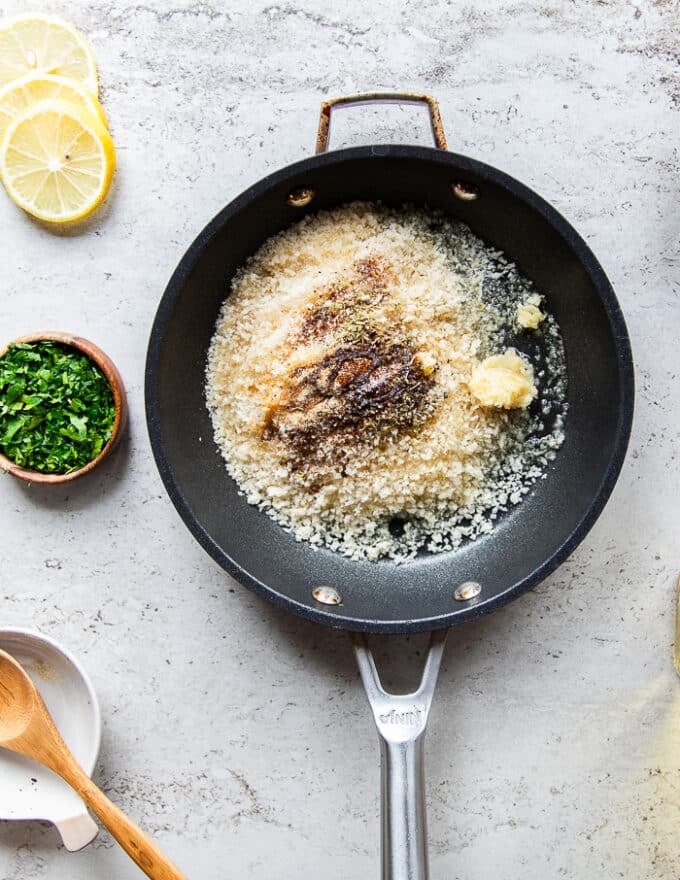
[{"x": 240, "y": 736}]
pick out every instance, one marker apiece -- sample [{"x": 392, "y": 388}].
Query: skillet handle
[
  {"x": 380, "y": 98},
  {"x": 401, "y": 721}
]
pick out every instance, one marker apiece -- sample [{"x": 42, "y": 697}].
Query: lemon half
[
  {"x": 57, "y": 160},
  {"x": 45, "y": 44}
]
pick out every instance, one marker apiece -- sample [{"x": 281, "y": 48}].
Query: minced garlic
[
  {"x": 503, "y": 380},
  {"x": 529, "y": 314}
]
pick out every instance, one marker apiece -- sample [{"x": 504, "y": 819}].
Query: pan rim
[{"x": 336, "y": 618}]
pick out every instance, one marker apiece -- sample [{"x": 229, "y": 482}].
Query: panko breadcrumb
[{"x": 338, "y": 383}]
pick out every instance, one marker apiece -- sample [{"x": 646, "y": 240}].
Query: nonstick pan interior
[{"x": 532, "y": 538}]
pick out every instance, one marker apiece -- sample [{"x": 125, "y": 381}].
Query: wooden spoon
[{"x": 26, "y": 727}]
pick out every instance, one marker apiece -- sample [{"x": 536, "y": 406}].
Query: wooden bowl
[{"x": 108, "y": 368}]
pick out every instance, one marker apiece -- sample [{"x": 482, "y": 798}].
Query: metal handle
[
  {"x": 401, "y": 720},
  {"x": 380, "y": 98}
]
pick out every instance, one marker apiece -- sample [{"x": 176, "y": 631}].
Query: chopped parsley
[{"x": 56, "y": 407}]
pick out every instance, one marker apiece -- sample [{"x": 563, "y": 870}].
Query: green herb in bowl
[{"x": 57, "y": 407}]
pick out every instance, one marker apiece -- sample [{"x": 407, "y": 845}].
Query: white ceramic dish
[{"x": 27, "y": 789}]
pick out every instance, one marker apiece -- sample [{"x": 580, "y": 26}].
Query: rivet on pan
[
  {"x": 468, "y": 590},
  {"x": 466, "y": 192},
  {"x": 298, "y": 198},
  {"x": 327, "y": 596}
]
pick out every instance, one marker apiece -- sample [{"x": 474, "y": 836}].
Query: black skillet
[{"x": 432, "y": 592}]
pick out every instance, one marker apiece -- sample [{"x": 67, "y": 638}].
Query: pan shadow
[
  {"x": 15, "y": 833},
  {"x": 400, "y": 659}
]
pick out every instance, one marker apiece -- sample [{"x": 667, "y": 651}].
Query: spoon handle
[{"x": 134, "y": 841}]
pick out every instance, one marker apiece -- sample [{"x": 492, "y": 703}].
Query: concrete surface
[{"x": 239, "y": 736}]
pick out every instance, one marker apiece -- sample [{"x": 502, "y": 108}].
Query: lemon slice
[
  {"x": 57, "y": 161},
  {"x": 45, "y": 44},
  {"x": 20, "y": 94}
]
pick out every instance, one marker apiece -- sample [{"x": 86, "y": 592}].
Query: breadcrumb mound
[{"x": 337, "y": 382}]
